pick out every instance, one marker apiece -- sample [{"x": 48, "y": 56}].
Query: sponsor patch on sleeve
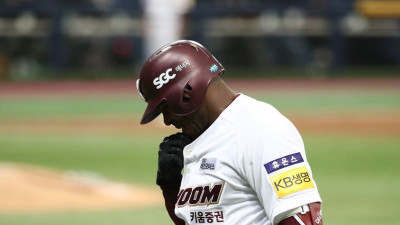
[
  {"x": 292, "y": 181},
  {"x": 283, "y": 162}
]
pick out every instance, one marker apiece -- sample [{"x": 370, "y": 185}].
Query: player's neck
[{"x": 219, "y": 96}]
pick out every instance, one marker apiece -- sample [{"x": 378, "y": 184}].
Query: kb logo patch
[
  {"x": 292, "y": 181},
  {"x": 163, "y": 78}
]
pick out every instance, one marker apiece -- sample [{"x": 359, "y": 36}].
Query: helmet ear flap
[{"x": 187, "y": 93}]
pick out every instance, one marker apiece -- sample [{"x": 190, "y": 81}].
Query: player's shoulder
[
  {"x": 259, "y": 122},
  {"x": 247, "y": 112}
]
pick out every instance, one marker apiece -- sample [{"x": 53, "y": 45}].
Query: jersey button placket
[{"x": 188, "y": 160}]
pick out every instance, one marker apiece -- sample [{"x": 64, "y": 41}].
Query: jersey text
[
  {"x": 292, "y": 181},
  {"x": 201, "y": 195}
]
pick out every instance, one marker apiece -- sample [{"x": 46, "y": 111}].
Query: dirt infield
[
  {"x": 26, "y": 188},
  {"x": 335, "y": 123}
]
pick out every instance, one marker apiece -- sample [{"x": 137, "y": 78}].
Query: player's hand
[{"x": 170, "y": 160}]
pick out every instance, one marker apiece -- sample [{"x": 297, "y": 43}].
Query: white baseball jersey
[{"x": 248, "y": 167}]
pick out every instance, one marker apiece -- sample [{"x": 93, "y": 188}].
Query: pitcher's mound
[{"x": 26, "y": 188}]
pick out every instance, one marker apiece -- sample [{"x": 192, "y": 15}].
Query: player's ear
[{"x": 186, "y": 94}]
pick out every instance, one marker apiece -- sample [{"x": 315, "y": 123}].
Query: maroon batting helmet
[{"x": 173, "y": 69}]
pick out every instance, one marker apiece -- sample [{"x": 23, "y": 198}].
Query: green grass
[
  {"x": 368, "y": 102},
  {"x": 145, "y": 216},
  {"x": 131, "y": 158},
  {"x": 70, "y": 107},
  {"x": 357, "y": 175}
]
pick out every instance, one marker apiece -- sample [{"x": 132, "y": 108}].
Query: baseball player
[{"x": 236, "y": 160}]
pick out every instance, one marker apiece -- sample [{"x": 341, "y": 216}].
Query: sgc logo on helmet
[{"x": 163, "y": 78}]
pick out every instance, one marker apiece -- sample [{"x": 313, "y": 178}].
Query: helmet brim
[{"x": 151, "y": 112}]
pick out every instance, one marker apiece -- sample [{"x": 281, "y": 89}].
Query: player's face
[{"x": 192, "y": 125}]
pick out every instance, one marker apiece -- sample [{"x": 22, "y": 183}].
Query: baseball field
[{"x": 73, "y": 152}]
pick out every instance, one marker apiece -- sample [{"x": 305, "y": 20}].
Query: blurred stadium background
[
  {"x": 109, "y": 38},
  {"x": 69, "y": 111}
]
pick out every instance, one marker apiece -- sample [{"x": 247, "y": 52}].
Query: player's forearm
[
  {"x": 170, "y": 200},
  {"x": 312, "y": 217},
  {"x": 170, "y": 165}
]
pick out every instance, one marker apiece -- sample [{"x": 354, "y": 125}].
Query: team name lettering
[
  {"x": 163, "y": 78},
  {"x": 201, "y": 195},
  {"x": 207, "y": 217}
]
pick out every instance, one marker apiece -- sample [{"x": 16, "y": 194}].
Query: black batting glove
[{"x": 170, "y": 160}]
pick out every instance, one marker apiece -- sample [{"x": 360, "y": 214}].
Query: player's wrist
[{"x": 168, "y": 182}]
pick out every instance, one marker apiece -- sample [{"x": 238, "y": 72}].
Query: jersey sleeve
[{"x": 276, "y": 167}]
